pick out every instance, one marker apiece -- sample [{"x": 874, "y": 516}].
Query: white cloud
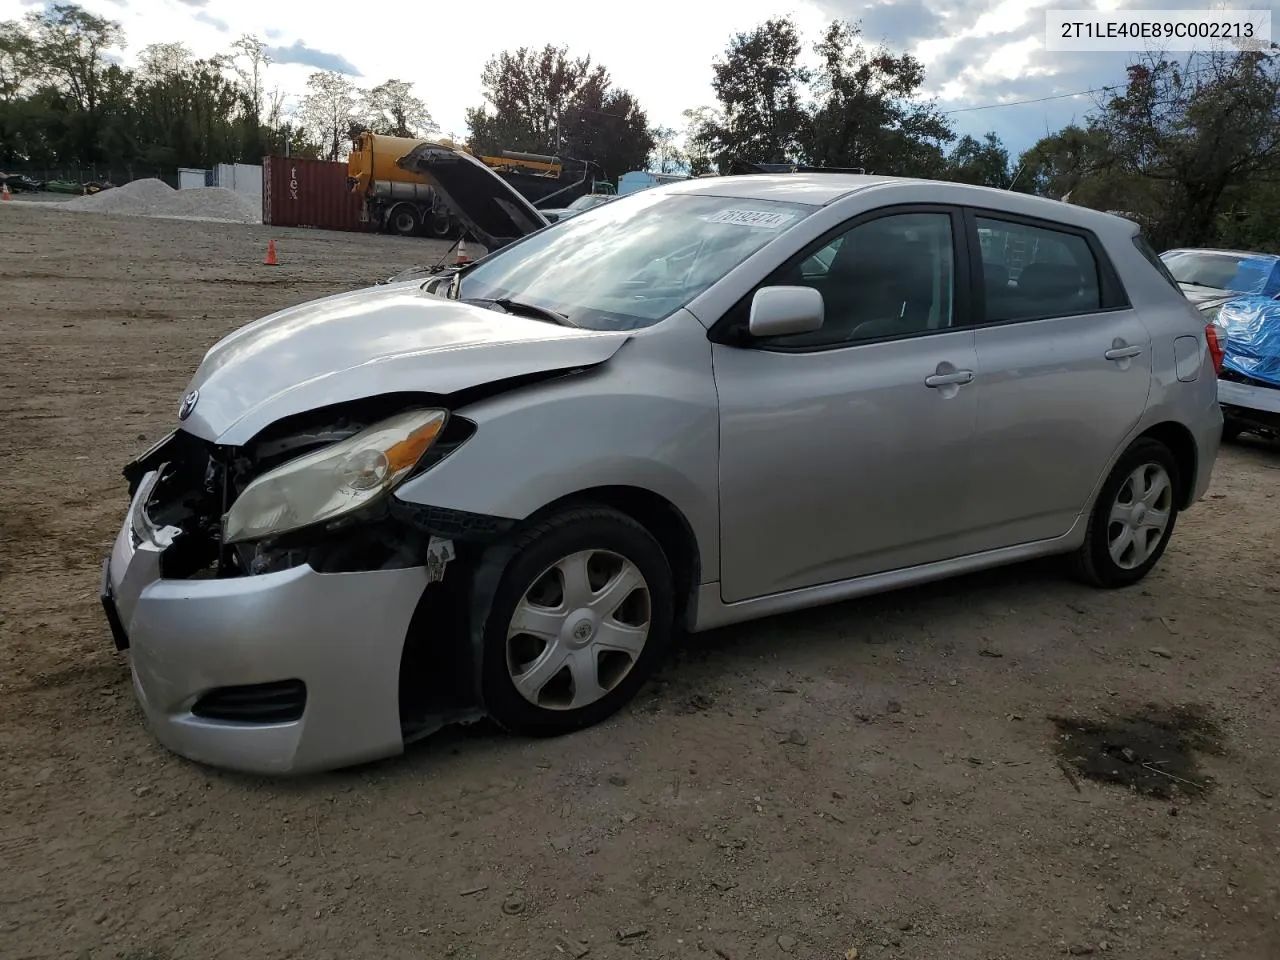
[{"x": 661, "y": 55}]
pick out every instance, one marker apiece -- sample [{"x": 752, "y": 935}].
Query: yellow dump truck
[
  {"x": 395, "y": 199},
  {"x": 403, "y": 202}
]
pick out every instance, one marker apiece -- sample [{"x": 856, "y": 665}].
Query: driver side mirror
[{"x": 780, "y": 311}]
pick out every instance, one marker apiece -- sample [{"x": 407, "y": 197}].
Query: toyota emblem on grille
[{"x": 188, "y": 404}]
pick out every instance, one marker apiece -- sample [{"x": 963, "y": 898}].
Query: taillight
[{"x": 1214, "y": 339}]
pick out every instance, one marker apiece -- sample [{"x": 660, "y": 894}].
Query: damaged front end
[{"x": 199, "y": 483}]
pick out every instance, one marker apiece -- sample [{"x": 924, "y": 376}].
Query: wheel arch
[
  {"x": 661, "y": 518},
  {"x": 439, "y": 662},
  {"x": 1182, "y": 445}
]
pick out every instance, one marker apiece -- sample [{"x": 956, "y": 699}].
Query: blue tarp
[
  {"x": 1254, "y": 275},
  {"x": 1252, "y": 325}
]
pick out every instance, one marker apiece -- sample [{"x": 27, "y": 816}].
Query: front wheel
[
  {"x": 403, "y": 221},
  {"x": 580, "y": 617},
  {"x": 1133, "y": 517}
]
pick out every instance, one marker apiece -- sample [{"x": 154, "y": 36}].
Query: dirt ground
[{"x": 884, "y": 776}]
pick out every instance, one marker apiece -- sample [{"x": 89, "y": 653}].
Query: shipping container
[{"x": 309, "y": 193}]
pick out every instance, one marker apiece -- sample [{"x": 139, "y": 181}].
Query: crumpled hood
[{"x": 385, "y": 339}]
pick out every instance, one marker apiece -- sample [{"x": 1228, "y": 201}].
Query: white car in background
[
  {"x": 585, "y": 202},
  {"x": 1238, "y": 291}
]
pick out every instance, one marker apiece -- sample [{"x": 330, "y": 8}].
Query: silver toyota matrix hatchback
[{"x": 501, "y": 491}]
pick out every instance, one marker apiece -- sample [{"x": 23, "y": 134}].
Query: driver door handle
[
  {"x": 1122, "y": 353},
  {"x": 946, "y": 379}
]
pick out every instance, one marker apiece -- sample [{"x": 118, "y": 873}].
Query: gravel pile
[
  {"x": 214, "y": 203},
  {"x": 155, "y": 198},
  {"x": 141, "y": 198}
]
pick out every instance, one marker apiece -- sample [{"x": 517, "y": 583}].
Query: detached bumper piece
[{"x": 118, "y": 634}]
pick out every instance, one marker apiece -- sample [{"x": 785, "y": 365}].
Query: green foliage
[
  {"x": 866, "y": 110},
  {"x": 760, "y": 86},
  {"x": 66, "y": 108},
  {"x": 859, "y": 108},
  {"x": 544, "y": 101},
  {"x": 328, "y": 112},
  {"x": 982, "y": 162},
  {"x": 667, "y": 155},
  {"x": 1191, "y": 150},
  {"x": 391, "y": 109}
]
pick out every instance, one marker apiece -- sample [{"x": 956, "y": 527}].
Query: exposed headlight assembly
[{"x": 334, "y": 481}]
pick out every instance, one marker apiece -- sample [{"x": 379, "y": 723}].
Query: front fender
[{"x": 646, "y": 418}]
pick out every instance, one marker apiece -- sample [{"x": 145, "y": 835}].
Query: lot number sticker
[{"x": 752, "y": 218}]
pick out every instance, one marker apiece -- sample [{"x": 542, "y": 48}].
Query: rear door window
[{"x": 1033, "y": 272}]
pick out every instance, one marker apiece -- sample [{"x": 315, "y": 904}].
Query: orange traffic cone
[
  {"x": 6, "y": 195},
  {"x": 271, "y": 260},
  {"x": 462, "y": 254}
]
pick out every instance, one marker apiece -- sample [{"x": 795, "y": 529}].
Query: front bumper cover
[{"x": 341, "y": 634}]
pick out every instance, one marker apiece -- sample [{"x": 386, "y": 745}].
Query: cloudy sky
[{"x": 976, "y": 52}]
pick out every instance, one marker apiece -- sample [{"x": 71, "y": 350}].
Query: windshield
[
  {"x": 1236, "y": 273},
  {"x": 633, "y": 262}
]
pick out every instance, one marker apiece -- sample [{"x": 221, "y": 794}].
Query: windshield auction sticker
[{"x": 752, "y": 218}]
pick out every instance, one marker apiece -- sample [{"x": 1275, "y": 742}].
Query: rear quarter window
[{"x": 1153, "y": 258}]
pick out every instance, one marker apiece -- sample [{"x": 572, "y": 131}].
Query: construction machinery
[
  {"x": 410, "y": 203},
  {"x": 395, "y": 200}
]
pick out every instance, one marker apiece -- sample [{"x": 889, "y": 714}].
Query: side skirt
[{"x": 712, "y": 612}]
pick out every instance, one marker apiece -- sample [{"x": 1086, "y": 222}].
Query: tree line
[
  {"x": 67, "y": 105},
  {"x": 1190, "y": 148}
]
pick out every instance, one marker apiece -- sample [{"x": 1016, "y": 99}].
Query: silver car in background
[{"x": 502, "y": 492}]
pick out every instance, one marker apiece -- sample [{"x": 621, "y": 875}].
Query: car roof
[
  {"x": 821, "y": 189},
  {"x": 818, "y": 189}
]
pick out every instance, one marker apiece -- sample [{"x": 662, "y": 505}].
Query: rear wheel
[
  {"x": 439, "y": 225},
  {"x": 579, "y": 620},
  {"x": 1133, "y": 517},
  {"x": 403, "y": 220}
]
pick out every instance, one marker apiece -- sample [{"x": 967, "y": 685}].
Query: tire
[
  {"x": 558, "y": 664},
  {"x": 439, "y": 227},
  {"x": 1095, "y": 561},
  {"x": 403, "y": 221},
  {"x": 1231, "y": 430}
]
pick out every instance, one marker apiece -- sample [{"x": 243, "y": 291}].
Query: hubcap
[
  {"x": 1140, "y": 516},
  {"x": 578, "y": 630}
]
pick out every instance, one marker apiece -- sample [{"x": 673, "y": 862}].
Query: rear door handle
[
  {"x": 946, "y": 379},
  {"x": 1122, "y": 353}
]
